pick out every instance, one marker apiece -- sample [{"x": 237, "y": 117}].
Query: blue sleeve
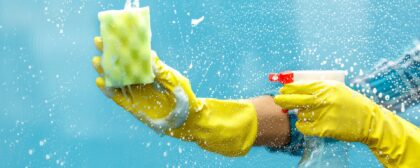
[{"x": 295, "y": 146}]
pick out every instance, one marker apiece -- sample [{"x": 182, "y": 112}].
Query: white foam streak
[{"x": 195, "y": 22}]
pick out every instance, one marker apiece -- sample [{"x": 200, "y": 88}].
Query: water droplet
[
  {"x": 30, "y": 151},
  {"x": 42, "y": 142},
  {"x": 402, "y": 107}
]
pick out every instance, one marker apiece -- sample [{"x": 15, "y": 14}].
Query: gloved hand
[
  {"x": 169, "y": 106},
  {"x": 162, "y": 105},
  {"x": 331, "y": 109}
]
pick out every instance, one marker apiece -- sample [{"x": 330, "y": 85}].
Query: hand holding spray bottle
[{"x": 318, "y": 152}]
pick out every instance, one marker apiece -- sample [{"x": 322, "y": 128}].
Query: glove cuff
[
  {"x": 175, "y": 118},
  {"x": 227, "y": 127},
  {"x": 393, "y": 140}
]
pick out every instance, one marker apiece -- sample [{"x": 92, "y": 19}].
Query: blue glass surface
[{"x": 52, "y": 114}]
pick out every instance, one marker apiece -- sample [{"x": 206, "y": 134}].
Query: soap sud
[
  {"x": 134, "y": 4},
  {"x": 196, "y": 22}
]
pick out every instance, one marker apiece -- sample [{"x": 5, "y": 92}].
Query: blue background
[{"x": 52, "y": 114}]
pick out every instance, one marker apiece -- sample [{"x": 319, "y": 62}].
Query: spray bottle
[{"x": 318, "y": 152}]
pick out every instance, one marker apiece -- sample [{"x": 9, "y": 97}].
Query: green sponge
[{"x": 126, "y": 38}]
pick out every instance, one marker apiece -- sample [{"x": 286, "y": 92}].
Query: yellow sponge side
[{"x": 127, "y": 47}]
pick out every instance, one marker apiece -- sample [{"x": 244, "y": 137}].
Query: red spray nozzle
[{"x": 282, "y": 77}]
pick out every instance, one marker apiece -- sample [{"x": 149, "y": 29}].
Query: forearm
[{"x": 273, "y": 125}]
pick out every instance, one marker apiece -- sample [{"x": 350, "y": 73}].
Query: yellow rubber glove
[
  {"x": 169, "y": 106},
  {"x": 331, "y": 109}
]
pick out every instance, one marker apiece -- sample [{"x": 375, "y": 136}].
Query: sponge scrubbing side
[{"x": 127, "y": 47}]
